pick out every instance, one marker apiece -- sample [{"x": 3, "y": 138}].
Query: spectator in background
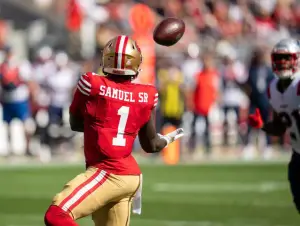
[
  {"x": 191, "y": 65},
  {"x": 173, "y": 8},
  {"x": 208, "y": 23},
  {"x": 170, "y": 88},
  {"x": 228, "y": 27},
  {"x": 60, "y": 89},
  {"x": 202, "y": 97},
  {"x": 17, "y": 88},
  {"x": 260, "y": 75},
  {"x": 265, "y": 25},
  {"x": 43, "y": 68},
  {"x": 296, "y": 14},
  {"x": 233, "y": 73},
  {"x": 284, "y": 19}
]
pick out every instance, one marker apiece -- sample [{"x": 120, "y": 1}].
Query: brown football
[{"x": 169, "y": 31}]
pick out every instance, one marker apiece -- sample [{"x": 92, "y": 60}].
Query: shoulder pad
[
  {"x": 153, "y": 94},
  {"x": 91, "y": 74},
  {"x": 84, "y": 84}
]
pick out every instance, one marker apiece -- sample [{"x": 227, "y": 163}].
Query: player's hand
[
  {"x": 255, "y": 119},
  {"x": 171, "y": 137}
]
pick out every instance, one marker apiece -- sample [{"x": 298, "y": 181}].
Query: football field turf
[{"x": 184, "y": 195}]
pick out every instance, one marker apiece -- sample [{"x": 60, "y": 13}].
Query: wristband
[{"x": 167, "y": 139}]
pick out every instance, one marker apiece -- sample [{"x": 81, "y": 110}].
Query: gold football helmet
[{"x": 121, "y": 56}]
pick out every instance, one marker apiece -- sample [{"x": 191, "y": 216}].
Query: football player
[
  {"x": 284, "y": 97},
  {"x": 111, "y": 111}
]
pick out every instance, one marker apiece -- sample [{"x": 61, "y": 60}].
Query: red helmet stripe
[
  {"x": 123, "y": 52},
  {"x": 117, "y": 51}
]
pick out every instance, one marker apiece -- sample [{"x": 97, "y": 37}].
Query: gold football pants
[{"x": 107, "y": 197}]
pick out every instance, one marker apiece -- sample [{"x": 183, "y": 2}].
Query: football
[{"x": 169, "y": 31}]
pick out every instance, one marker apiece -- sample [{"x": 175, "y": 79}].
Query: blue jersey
[{"x": 259, "y": 78}]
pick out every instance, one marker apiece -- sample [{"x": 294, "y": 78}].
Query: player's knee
[{"x": 55, "y": 216}]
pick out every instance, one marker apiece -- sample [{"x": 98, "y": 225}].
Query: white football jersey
[{"x": 287, "y": 105}]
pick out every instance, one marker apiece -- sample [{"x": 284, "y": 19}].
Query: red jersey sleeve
[
  {"x": 154, "y": 98},
  {"x": 82, "y": 93}
]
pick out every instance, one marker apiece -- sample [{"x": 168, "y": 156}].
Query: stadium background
[{"x": 208, "y": 179}]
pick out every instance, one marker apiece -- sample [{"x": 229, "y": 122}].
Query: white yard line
[
  {"x": 30, "y": 217},
  {"x": 219, "y": 187},
  {"x": 151, "y": 222},
  {"x": 144, "y": 221},
  {"x": 38, "y": 165},
  {"x": 37, "y": 220},
  {"x": 21, "y": 225}
]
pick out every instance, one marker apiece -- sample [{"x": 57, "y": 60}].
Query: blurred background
[{"x": 208, "y": 83}]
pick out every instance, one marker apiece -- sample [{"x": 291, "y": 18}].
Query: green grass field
[{"x": 207, "y": 195}]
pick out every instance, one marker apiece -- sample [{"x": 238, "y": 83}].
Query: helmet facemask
[
  {"x": 285, "y": 64},
  {"x": 285, "y": 58}
]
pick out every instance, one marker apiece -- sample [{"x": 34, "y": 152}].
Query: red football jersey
[{"x": 113, "y": 114}]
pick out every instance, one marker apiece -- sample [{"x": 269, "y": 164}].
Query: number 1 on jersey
[{"x": 119, "y": 140}]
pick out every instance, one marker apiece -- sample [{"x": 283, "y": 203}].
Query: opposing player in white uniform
[{"x": 284, "y": 97}]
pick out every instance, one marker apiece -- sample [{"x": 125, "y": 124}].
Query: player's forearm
[
  {"x": 274, "y": 128},
  {"x": 76, "y": 123},
  {"x": 77, "y": 128},
  {"x": 153, "y": 142},
  {"x": 159, "y": 143},
  {"x": 154, "y": 145}
]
